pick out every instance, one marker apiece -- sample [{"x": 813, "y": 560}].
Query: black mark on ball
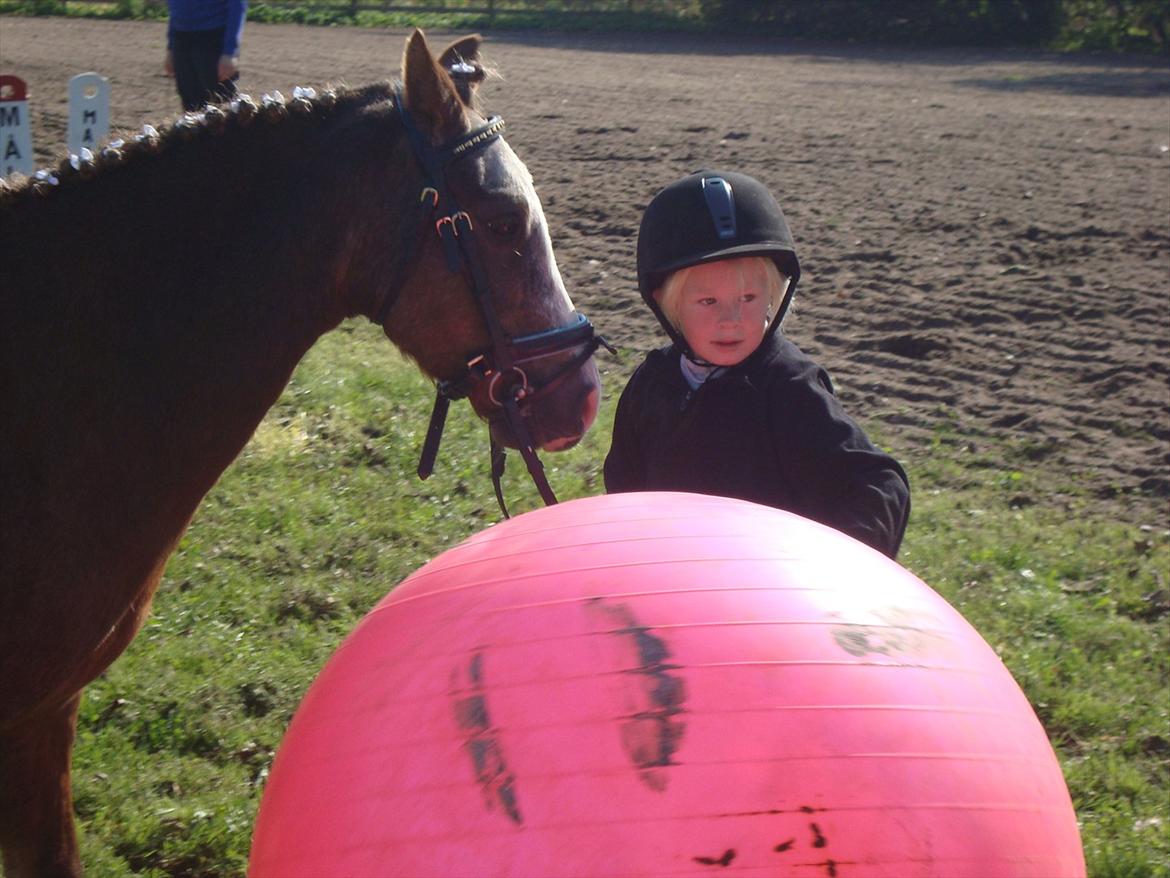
[
  {"x": 652, "y": 731},
  {"x": 482, "y": 741},
  {"x": 723, "y": 861}
]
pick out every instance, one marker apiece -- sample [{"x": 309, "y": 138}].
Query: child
[{"x": 732, "y": 407}]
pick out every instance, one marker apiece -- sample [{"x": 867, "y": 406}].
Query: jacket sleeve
[
  {"x": 233, "y": 29},
  {"x": 625, "y": 464},
  {"x": 844, "y": 480}
]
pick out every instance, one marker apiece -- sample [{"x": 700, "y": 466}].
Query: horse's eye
[{"x": 504, "y": 227}]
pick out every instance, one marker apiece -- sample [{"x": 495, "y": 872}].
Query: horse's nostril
[
  {"x": 592, "y": 403},
  {"x": 589, "y": 411}
]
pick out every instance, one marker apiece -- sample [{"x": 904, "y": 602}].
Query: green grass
[
  {"x": 340, "y": 15},
  {"x": 322, "y": 515}
]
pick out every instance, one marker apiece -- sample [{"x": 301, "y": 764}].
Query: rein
[{"x": 502, "y": 365}]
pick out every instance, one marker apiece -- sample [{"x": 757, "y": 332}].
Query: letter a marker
[
  {"x": 89, "y": 112},
  {"x": 16, "y": 154}
]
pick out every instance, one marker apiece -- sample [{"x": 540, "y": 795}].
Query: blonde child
[{"x": 732, "y": 407}]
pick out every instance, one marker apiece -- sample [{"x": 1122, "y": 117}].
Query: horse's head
[{"x": 481, "y": 305}]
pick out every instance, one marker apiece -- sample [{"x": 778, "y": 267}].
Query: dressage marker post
[
  {"x": 665, "y": 685},
  {"x": 16, "y": 154},
  {"x": 89, "y": 112},
  {"x": 89, "y": 120}
]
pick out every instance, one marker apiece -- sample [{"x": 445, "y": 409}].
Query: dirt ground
[{"x": 985, "y": 236}]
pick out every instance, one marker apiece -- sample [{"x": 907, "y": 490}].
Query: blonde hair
[{"x": 667, "y": 295}]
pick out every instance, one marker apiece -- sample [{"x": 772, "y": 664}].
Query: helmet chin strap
[
  {"x": 696, "y": 375},
  {"x": 699, "y": 361}
]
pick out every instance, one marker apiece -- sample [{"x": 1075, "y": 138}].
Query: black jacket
[{"x": 768, "y": 430}]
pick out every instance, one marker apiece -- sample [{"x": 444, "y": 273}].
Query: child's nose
[{"x": 730, "y": 313}]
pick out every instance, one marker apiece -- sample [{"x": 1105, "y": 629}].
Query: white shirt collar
[{"x": 694, "y": 373}]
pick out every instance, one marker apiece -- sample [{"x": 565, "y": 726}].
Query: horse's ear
[
  {"x": 461, "y": 61},
  {"x": 431, "y": 96}
]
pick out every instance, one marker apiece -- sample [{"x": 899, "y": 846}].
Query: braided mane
[{"x": 185, "y": 131}]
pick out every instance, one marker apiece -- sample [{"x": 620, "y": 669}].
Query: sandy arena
[{"x": 985, "y": 236}]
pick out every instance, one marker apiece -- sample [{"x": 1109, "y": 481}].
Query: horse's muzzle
[{"x": 556, "y": 421}]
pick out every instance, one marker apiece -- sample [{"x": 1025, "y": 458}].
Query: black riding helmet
[{"x": 706, "y": 216}]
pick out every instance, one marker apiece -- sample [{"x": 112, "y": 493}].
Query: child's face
[{"x": 723, "y": 309}]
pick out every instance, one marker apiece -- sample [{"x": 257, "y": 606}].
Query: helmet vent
[{"x": 721, "y": 204}]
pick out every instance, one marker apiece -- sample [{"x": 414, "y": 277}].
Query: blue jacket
[{"x": 192, "y": 15}]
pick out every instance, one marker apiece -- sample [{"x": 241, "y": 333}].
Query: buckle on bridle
[{"x": 453, "y": 219}]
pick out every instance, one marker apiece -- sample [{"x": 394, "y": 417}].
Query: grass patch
[
  {"x": 342, "y": 15},
  {"x": 119, "y": 10},
  {"x": 322, "y": 514}
]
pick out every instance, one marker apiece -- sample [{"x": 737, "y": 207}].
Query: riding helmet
[{"x": 706, "y": 216}]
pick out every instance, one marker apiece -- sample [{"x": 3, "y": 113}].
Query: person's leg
[
  {"x": 187, "y": 79},
  {"x": 206, "y": 55},
  {"x": 200, "y": 83}
]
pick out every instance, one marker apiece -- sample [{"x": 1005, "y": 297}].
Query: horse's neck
[
  {"x": 171, "y": 341},
  {"x": 148, "y": 320},
  {"x": 244, "y": 296}
]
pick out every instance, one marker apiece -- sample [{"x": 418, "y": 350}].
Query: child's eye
[{"x": 750, "y": 297}]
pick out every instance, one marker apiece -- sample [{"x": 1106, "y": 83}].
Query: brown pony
[{"x": 155, "y": 301}]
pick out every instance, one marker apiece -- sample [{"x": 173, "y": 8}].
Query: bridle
[{"x": 503, "y": 365}]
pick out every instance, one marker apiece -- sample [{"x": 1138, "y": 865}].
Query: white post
[
  {"x": 16, "y": 154},
  {"x": 89, "y": 112}
]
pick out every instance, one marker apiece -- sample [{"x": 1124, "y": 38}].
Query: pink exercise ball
[{"x": 665, "y": 685}]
